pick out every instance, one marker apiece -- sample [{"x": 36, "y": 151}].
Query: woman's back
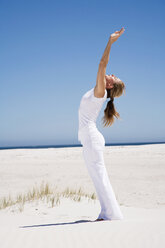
[{"x": 89, "y": 109}]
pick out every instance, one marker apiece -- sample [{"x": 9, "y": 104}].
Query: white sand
[{"x": 137, "y": 175}]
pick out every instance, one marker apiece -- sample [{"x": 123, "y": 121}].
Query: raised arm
[{"x": 99, "y": 89}]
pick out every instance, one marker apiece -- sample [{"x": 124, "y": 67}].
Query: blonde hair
[{"x": 110, "y": 111}]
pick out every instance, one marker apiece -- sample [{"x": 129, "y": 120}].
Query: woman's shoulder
[
  {"x": 91, "y": 95},
  {"x": 99, "y": 94}
]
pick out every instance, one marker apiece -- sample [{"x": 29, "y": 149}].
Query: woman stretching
[{"x": 107, "y": 86}]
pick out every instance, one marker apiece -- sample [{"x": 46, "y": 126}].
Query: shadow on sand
[{"x": 60, "y": 224}]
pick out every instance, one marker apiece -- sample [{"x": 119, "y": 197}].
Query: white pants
[{"x": 93, "y": 145}]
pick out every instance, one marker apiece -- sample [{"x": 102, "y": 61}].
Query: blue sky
[{"x": 50, "y": 51}]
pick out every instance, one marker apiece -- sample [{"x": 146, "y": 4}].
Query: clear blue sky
[{"x": 50, "y": 51}]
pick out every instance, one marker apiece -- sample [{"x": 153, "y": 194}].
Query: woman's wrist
[{"x": 110, "y": 40}]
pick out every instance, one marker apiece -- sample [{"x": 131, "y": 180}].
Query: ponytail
[{"x": 109, "y": 113}]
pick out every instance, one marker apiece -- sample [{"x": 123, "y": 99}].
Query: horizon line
[{"x": 77, "y": 145}]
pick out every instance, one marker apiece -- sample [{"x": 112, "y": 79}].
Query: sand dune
[{"x": 137, "y": 174}]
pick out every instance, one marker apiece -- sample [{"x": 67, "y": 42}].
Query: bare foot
[{"x": 99, "y": 219}]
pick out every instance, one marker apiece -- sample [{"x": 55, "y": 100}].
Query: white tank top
[{"x": 89, "y": 110}]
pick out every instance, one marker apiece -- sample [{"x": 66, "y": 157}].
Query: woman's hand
[{"x": 116, "y": 35}]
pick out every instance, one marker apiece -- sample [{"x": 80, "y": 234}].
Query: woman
[{"x": 107, "y": 86}]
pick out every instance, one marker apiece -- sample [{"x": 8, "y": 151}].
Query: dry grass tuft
[{"x": 45, "y": 192}]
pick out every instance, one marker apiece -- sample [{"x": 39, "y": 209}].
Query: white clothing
[
  {"x": 93, "y": 145},
  {"x": 89, "y": 109}
]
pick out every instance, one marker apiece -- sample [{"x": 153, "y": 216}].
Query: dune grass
[{"x": 45, "y": 192}]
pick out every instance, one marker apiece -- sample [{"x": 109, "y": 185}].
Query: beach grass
[{"x": 45, "y": 192}]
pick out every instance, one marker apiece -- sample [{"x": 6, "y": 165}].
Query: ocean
[{"x": 77, "y": 145}]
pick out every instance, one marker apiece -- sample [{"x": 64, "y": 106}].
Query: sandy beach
[{"x": 137, "y": 175}]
